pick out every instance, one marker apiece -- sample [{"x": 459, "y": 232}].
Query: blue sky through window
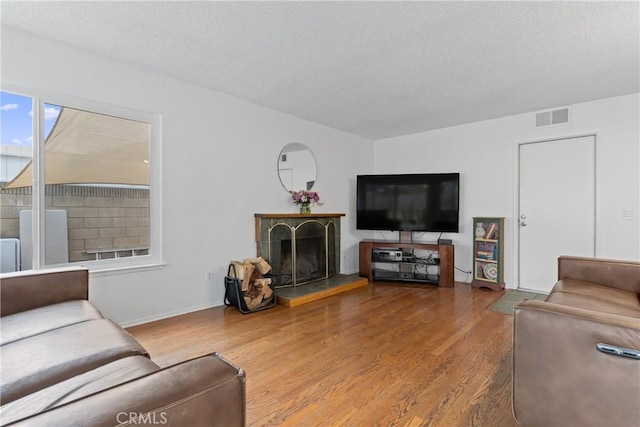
[{"x": 16, "y": 116}]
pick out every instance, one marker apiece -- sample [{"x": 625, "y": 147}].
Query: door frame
[{"x": 515, "y": 226}]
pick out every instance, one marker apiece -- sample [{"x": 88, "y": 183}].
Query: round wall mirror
[{"x": 297, "y": 167}]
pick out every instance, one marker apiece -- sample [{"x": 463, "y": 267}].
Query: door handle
[{"x": 523, "y": 223}]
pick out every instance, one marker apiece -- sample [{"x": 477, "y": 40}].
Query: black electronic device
[
  {"x": 445, "y": 242},
  {"x": 386, "y": 255},
  {"x": 408, "y": 202}
]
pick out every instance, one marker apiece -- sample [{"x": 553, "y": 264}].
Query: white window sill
[{"x": 102, "y": 271}]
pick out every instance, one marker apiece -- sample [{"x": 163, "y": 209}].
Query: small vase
[{"x": 305, "y": 209}]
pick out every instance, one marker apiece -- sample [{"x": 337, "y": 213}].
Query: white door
[{"x": 556, "y": 207}]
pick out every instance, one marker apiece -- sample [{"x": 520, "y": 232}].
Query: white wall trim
[{"x": 168, "y": 314}]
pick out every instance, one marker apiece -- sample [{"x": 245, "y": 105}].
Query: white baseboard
[{"x": 147, "y": 319}]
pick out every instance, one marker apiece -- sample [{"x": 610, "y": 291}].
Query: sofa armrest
[
  {"x": 614, "y": 273},
  {"x": 559, "y": 376},
  {"x": 23, "y": 291},
  {"x": 206, "y": 391}
]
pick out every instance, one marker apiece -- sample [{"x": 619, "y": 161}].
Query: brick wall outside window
[{"x": 98, "y": 218}]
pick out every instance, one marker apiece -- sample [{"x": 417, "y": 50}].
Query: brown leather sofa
[
  {"x": 63, "y": 363},
  {"x": 560, "y": 376}
]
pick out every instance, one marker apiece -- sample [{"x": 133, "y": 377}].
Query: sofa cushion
[
  {"x": 615, "y": 273},
  {"x": 591, "y": 296},
  {"x": 77, "y": 387},
  {"x": 206, "y": 391},
  {"x": 26, "y": 290},
  {"x": 33, "y": 322},
  {"x": 33, "y": 363}
]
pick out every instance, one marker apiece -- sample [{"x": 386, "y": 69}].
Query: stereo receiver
[{"x": 386, "y": 255}]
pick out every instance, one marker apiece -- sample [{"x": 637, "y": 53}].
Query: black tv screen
[{"x": 408, "y": 202}]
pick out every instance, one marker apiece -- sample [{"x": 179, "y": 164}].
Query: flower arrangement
[{"x": 305, "y": 199}]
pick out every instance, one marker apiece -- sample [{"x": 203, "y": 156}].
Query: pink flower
[{"x": 304, "y": 197}]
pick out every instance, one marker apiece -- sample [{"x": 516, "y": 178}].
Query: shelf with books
[{"x": 488, "y": 252}]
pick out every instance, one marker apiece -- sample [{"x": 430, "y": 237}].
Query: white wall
[
  {"x": 485, "y": 155},
  {"x": 228, "y": 149},
  {"x": 213, "y": 144}
]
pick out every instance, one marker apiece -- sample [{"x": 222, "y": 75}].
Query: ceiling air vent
[{"x": 552, "y": 117}]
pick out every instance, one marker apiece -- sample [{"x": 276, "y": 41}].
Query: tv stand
[
  {"x": 406, "y": 236},
  {"x": 403, "y": 268}
]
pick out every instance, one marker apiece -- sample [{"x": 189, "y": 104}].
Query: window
[{"x": 79, "y": 183}]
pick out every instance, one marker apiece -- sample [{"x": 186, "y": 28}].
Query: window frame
[{"x": 41, "y": 97}]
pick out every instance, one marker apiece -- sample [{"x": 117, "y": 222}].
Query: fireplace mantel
[
  {"x": 288, "y": 215},
  {"x": 273, "y": 230}
]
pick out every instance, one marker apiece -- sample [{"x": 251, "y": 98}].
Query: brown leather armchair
[{"x": 576, "y": 355}]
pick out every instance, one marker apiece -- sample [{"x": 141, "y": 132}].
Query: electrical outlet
[{"x": 210, "y": 276}]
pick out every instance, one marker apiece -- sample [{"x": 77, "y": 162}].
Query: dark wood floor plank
[{"x": 387, "y": 354}]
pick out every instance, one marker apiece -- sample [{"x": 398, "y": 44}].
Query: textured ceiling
[{"x": 376, "y": 69}]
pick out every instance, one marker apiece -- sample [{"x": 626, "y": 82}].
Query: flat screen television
[{"x": 408, "y": 202}]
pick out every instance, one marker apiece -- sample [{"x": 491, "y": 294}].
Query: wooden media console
[{"x": 399, "y": 261}]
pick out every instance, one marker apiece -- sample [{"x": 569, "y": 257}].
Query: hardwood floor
[{"x": 382, "y": 355}]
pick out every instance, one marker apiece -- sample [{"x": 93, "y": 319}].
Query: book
[
  {"x": 490, "y": 230},
  {"x": 485, "y": 254}
]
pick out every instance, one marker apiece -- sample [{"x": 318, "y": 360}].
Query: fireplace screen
[{"x": 302, "y": 253}]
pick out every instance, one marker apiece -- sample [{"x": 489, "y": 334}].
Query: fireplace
[
  {"x": 304, "y": 256},
  {"x": 301, "y": 248}
]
